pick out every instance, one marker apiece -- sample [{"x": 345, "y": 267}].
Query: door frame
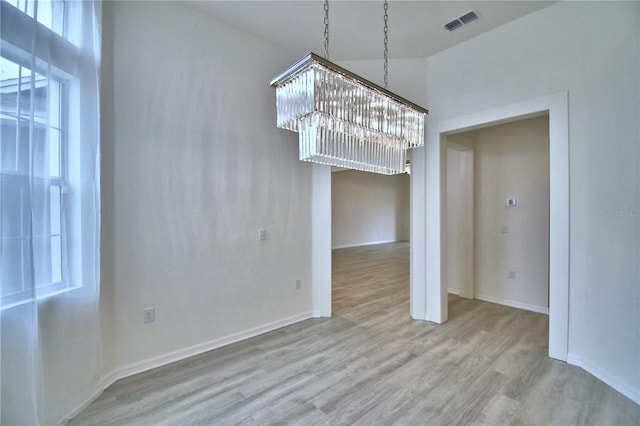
[{"x": 434, "y": 285}]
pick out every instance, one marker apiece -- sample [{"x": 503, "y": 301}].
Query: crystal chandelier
[{"x": 344, "y": 120}]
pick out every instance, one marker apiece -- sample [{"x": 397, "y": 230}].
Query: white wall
[
  {"x": 368, "y": 208},
  {"x": 194, "y": 169},
  {"x": 571, "y": 46}
]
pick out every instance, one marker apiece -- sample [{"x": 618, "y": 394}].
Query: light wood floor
[{"x": 371, "y": 364}]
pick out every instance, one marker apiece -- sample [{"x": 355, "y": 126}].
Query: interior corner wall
[
  {"x": 195, "y": 167},
  {"x": 569, "y": 46},
  {"x": 368, "y": 208}
]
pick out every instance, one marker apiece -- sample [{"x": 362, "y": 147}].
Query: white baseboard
[
  {"x": 368, "y": 243},
  {"x": 159, "y": 361},
  {"x": 601, "y": 374},
  {"x": 454, "y": 291},
  {"x": 104, "y": 383},
  {"x": 514, "y": 304}
]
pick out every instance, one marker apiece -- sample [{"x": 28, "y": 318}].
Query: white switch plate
[
  {"x": 149, "y": 315},
  {"x": 298, "y": 284},
  {"x": 505, "y": 229},
  {"x": 262, "y": 234},
  {"x": 512, "y": 275}
]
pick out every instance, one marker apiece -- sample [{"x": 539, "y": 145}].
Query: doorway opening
[
  {"x": 497, "y": 214},
  {"x": 369, "y": 240}
]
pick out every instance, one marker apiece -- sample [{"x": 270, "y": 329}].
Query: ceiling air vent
[
  {"x": 453, "y": 25},
  {"x": 461, "y": 20}
]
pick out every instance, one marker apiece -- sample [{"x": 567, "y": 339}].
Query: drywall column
[
  {"x": 460, "y": 221},
  {"x": 417, "y": 298},
  {"x": 321, "y": 241}
]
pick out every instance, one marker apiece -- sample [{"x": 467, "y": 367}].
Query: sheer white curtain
[{"x": 49, "y": 208}]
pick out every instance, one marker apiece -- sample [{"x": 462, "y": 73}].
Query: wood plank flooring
[{"x": 370, "y": 364}]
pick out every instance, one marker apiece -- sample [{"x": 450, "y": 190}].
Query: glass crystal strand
[
  {"x": 403, "y": 125},
  {"x": 421, "y": 129},
  {"x": 415, "y": 126},
  {"x": 334, "y": 93},
  {"x": 311, "y": 132},
  {"x": 352, "y": 103},
  {"x": 384, "y": 111},
  {"x": 302, "y": 140},
  {"x": 395, "y": 113},
  {"x": 384, "y": 153},
  {"x": 323, "y": 138},
  {"x": 368, "y": 147},
  {"x": 372, "y": 148},
  {"x": 320, "y": 90},
  {"x": 342, "y": 97},
  {"x": 411, "y": 126},
  {"x": 295, "y": 101},
  {"x": 333, "y": 139},
  {"x": 295, "y": 92},
  {"x": 344, "y": 140},
  {"x": 342, "y": 148},
  {"x": 360, "y": 102},
  {"x": 383, "y": 159},
  {"x": 367, "y": 139},
  {"x": 280, "y": 106},
  {"x": 308, "y": 92},
  {"x": 387, "y": 117},
  {"x": 331, "y": 136},
  {"x": 318, "y": 94}
]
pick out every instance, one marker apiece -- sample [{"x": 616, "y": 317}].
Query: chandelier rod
[
  {"x": 326, "y": 29},
  {"x": 386, "y": 42}
]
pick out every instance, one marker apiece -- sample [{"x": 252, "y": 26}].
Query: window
[
  {"x": 48, "y": 13},
  {"x": 38, "y": 121}
]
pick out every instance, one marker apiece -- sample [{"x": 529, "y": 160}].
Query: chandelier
[{"x": 344, "y": 120}]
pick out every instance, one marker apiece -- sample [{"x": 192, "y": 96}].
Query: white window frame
[{"x": 15, "y": 46}]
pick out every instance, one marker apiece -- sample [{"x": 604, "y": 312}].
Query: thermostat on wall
[{"x": 512, "y": 202}]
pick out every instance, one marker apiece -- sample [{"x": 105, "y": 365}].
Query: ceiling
[{"x": 356, "y": 27}]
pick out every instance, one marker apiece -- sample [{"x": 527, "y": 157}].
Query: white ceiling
[{"x": 356, "y": 27}]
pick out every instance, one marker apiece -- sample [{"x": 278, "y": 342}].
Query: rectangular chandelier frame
[{"x": 345, "y": 120}]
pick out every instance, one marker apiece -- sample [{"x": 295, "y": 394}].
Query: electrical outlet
[
  {"x": 505, "y": 229},
  {"x": 512, "y": 275},
  {"x": 298, "y": 284},
  {"x": 149, "y": 315},
  {"x": 262, "y": 234}
]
